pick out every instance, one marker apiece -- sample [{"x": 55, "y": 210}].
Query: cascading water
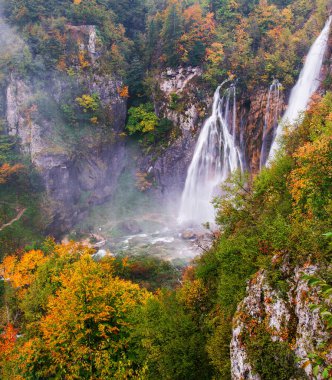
[
  {"x": 271, "y": 119},
  {"x": 216, "y": 155},
  {"x": 305, "y": 87}
]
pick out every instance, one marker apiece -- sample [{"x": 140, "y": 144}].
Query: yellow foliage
[
  {"x": 87, "y": 318},
  {"x": 88, "y": 102},
  {"x": 193, "y": 295},
  {"x": 21, "y": 273},
  {"x": 82, "y": 61},
  {"x": 86, "y": 321},
  {"x": 314, "y": 160}
]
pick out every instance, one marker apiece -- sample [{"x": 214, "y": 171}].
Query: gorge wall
[
  {"x": 75, "y": 177},
  {"x": 79, "y": 166},
  {"x": 179, "y": 95}
]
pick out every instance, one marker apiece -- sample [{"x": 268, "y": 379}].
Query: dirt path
[{"x": 17, "y": 217}]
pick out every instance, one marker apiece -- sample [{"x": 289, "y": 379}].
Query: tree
[
  {"x": 142, "y": 119},
  {"x": 8, "y": 339},
  {"x": 198, "y": 34},
  {"x": 88, "y": 322},
  {"x": 171, "y": 33},
  {"x": 84, "y": 319},
  {"x": 168, "y": 341},
  {"x": 21, "y": 273}
]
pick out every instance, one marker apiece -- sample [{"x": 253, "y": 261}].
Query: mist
[{"x": 13, "y": 47}]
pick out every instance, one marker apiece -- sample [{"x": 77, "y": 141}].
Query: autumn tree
[
  {"x": 198, "y": 34},
  {"x": 310, "y": 181},
  {"x": 8, "y": 338},
  {"x": 85, "y": 321}
]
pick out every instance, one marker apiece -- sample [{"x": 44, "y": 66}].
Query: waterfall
[
  {"x": 305, "y": 87},
  {"x": 271, "y": 119},
  {"x": 216, "y": 155}
]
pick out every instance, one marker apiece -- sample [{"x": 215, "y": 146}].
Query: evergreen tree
[
  {"x": 153, "y": 31},
  {"x": 135, "y": 77},
  {"x": 171, "y": 33}
]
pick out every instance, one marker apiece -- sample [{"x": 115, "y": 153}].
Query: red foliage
[{"x": 7, "y": 341}]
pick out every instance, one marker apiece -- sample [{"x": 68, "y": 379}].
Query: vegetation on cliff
[{"x": 20, "y": 191}]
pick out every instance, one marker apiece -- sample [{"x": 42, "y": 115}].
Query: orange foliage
[
  {"x": 123, "y": 92},
  {"x": 310, "y": 180},
  {"x": 215, "y": 53},
  {"x": 314, "y": 166},
  {"x": 6, "y": 171},
  {"x": 197, "y": 28}
]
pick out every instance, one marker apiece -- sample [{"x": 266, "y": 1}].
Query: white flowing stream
[
  {"x": 216, "y": 155},
  {"x": 305, "y": 87}
]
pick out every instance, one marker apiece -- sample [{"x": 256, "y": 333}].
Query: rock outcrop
[
  {"x": 181, "y": 97},
  {"x": 285, "y": 317}
]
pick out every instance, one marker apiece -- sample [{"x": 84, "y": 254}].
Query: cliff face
[
  {"x": 76, "y": 175},
  {"x": 285, "y": 317},
  {"x": 252, "y": 111},
  {"x": 179, "y": 96}
]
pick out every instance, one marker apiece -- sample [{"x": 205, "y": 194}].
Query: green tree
[
  {"x": 142, "y": 119},
  {"x": 169, "y": 342},
  {"x": 171, "y": 33}
]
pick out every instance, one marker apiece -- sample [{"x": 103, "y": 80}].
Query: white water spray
[
  {"x": 216, "y": 155},
  {"x": 305, "y": 87},
  {"x": 272, "y": 114}
]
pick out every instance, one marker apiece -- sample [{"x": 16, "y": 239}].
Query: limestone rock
[{"x": 283, "y": 316}]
